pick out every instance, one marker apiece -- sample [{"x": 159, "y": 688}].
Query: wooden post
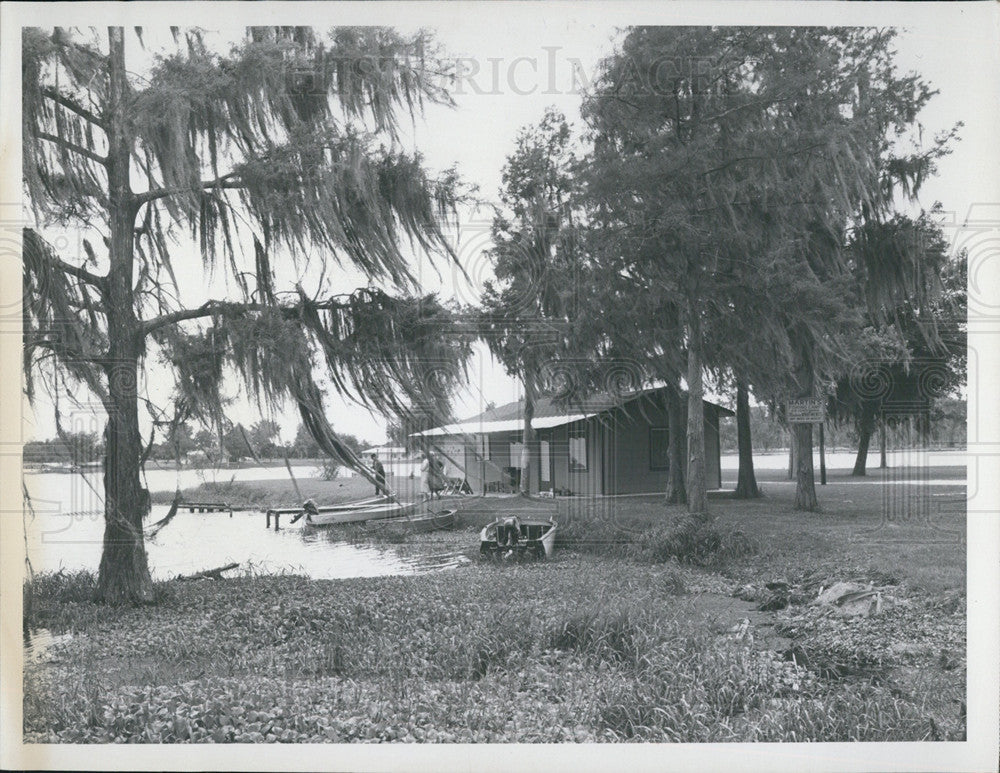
[{"x": 822, "y": 456}]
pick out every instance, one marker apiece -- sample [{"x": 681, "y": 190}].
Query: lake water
[{"x": 67, "y": 529}]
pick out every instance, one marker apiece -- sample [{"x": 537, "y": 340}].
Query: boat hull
[
  {"x": 432, "y": 521},
  {"x": 363, "y": 504},
  {"x": 359, "y": 514}
]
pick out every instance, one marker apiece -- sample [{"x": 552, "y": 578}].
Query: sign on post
[{"x": 809, "y": 410}]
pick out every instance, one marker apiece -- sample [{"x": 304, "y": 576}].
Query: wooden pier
[
  {"x": 277, "y": 512},
  {"x": 208, "y": 507}
]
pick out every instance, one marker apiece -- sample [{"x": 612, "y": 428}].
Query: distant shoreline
[{"x": 67, "y": 467}]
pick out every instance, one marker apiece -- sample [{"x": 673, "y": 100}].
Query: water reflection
[{"x": 38, "y": 642}]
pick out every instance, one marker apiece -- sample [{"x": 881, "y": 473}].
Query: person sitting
[
  {"x": 509, "y": 532},
  {"x": 310, "y": 508}
]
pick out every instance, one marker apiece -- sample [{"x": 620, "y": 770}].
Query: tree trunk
[
  {"x": 746, "y": 481},
  {"x": 527, "y": 438},
  {"x": 123, "y": 576},
  {"x": 866, "y": 425},
  {"x": 676, "y": 451},
  {"x": 697, "y": 492},
  {"x": 881, "y": 441},
  {"x": 805, "y": 483},
  {"x": 791, "y": 453}
]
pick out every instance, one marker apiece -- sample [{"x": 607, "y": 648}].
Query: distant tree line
[
  {"x": 945, "y": 428},
  {"x": 237, "y": 443},
  {"x": 73, "y": 448}
]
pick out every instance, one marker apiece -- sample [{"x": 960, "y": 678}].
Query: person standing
[
  {"x": 426, "y": 471},
  {"x": 437, "y": 477},
  {"x": 379, "y": 470}
]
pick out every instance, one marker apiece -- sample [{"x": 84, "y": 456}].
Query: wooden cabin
[{"x": 600, "y": 446}]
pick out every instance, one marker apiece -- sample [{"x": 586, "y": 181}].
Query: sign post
[
  {"x": 810, "y": 410},
  {"x": 822, "y": 457}
]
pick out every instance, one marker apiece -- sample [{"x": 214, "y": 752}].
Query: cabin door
[{"x": 545, "y": 465}]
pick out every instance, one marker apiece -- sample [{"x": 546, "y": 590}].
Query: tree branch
[
  {"x": 777, "y": 154},
  {"x": 210, "y": 308},
  {"x": 225, "y": 181},
  {"x": 73, "y": 105},
  {"x": 47, "y": 254},
  {"x": 73, "y": 147},
  {"x": 79, "y": 272},
  {"x": 207, "y": 309}
]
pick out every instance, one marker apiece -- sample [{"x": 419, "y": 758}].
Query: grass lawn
[{"x": 632, "y": 631}]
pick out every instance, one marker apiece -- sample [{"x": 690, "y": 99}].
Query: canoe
[
  {"x": 443, "y": 519},
  {"x": 518, "y": 535},
  {"x": 361, "y": 504},
  {"x": 359, "y": 513}
]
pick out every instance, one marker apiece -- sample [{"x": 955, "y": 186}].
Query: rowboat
[
  {"x": 358, "y": 505},
  {"x": 518, "y": 535},
  {"x": 431, "y": 521},
  {"x": 358, "y": 512}
]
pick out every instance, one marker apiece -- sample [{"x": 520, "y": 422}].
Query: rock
[
  {"x": 907, "y": 648},
  {"x": 747, "y": 592},
  {"x": 837, "y": 591},
  {"x": 848, "y": 599}
]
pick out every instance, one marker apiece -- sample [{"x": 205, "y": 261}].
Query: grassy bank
[
  {"x": 280, "y": 491},
  {"x": 578, "y": 649}
]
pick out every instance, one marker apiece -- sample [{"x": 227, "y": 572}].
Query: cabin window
[
  {"x": 578, "y": 449},
  {"x": 659, "y": 448}
]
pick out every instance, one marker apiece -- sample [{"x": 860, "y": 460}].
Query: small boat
[
  {"x": 432, "y": 521},
  {"x": 359, "y": 505},
  {"x": 518, "y": 535},
  {"x": 358, "y": 512}
]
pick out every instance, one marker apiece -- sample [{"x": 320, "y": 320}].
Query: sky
[{"x": 514, "y": 65}]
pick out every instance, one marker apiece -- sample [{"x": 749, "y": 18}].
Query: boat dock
[
  {"x": 208, "y": 507},
  {"x": 277, "y": 512}
]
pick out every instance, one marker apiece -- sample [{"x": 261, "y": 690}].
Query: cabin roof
[{"x": 549, "y": 412}]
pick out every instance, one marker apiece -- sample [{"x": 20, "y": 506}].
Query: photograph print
[{"x": 465, "y": 378}]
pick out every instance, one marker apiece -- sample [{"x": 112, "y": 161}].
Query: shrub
[
  {"x": 613, "y": 637},
  {"x": 62, "y": 586},
  {"x": 692, "y": 540}
]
